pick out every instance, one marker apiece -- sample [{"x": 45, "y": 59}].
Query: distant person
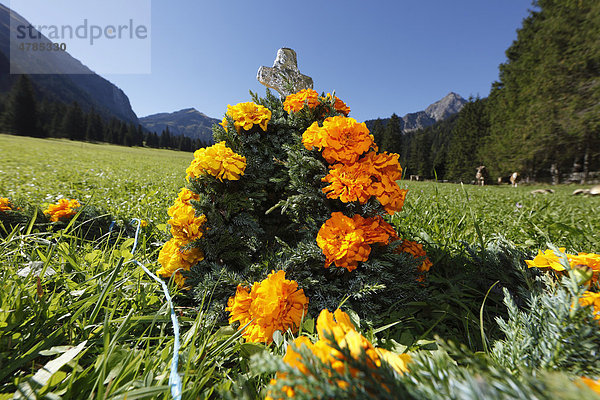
[
  {"x": 480, "y": 175},
  {"x": 514, "y": 178}
]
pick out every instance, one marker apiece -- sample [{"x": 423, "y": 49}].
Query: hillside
[
  {"x": 68, "y": 79},
  {"x": 188, "y": 122},
  {"x": 435, "y": 112}
]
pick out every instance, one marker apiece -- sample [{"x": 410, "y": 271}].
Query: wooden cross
[{"x": 284, "y": 75}]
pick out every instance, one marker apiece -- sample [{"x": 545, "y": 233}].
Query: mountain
[
  {"x": 438, "y": 111},
  {"x": 66, "y": 79},
  {"x": 188, "y": 122}
]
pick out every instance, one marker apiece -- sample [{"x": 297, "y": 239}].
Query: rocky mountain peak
[{"x": 448, "y": 105}]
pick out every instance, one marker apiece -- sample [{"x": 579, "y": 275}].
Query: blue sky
[{"x": 380, "y": 57}]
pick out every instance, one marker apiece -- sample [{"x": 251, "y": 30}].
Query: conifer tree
[
  {"x": 73, "y": 125},
  {"x": 469, "y": 133},
  {"x": 21, "y": 115}
]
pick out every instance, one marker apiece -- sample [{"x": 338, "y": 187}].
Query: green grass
[
  {"x": 92, "y": 295},
  {"x": 124, "y": 181},
  {"x": 451, "y": 214}
]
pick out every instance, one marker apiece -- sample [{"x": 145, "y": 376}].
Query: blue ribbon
[{"x": 174, "y": 378}]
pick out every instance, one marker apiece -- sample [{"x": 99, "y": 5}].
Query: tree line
[
  {"x": 542, "y": 117},
  {"x": 22, "y": 114}
]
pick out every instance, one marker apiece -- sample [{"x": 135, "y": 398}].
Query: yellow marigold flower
[
  {"x": 589, "y": 260},
  {"x": 591, "y": 299},
  {"x": 173, "y": 260},
  {"x": 296, "y": 102},
  {"x": 338, "y": 104},
  {"x": 546, "y": 259},
  {"x": 5, "y": 204},
  {"x": 62, "y": 210},
  {"x": 349, "y": 182},
  {"x": 592, "y": 384},
  {"x": 275, "y": 304},
  {"x": 397, "y": 361},
  {"x": 342, "y": 139},
  {"x": 346, "y": 241},
  {"x": 217, "y": 160},
  {"x": 246, "y": 115},
  {"x": 185, "y": 226},
  {"x": 338, "y": 327},
  {"x": 417, "y": 251}
]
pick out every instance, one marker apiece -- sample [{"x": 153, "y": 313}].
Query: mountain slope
[
  {"x": 438, "y": 111},
  {"x": 188, "y": 122},
  {"x": 80, "y": 84}
]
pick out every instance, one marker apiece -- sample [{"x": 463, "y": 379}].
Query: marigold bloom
[
  {"x": 185, "y": 226},
  {"x": 62, "y": 210},
  {"x": 246, "y": 115},
  {"x": 397, "y": 361},
  {"x": 217, "y": 160},
  {"x": 296, "y": 102},
  {"x": 5, "y": 204},
  {"x": 591, "y": 299},
  {"x": 173, "y": 260},
  {"x": 377, "y": 230},
  {"x": 337, "y": 327},
  {"x": 338, "y": 104},
  {"x": 386, "y": 170},
  {"x": 349, "y": 182},
  {"x": 592, "y": 384},
  {"x": 417, "y": 251},
  {"x": 342, "y": 139},
  {"x": 546, "y": 259},
  {"x": 273, "y": 304},
  {"x": 342, "y": 242},
  {"x": 346, "y": 241}
]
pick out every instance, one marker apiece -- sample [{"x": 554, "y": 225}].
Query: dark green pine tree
[
  {"x": 139, "y": 136},
  {"x": 468, "y": 135},
  {"x": 165, "y": 141},
  {"x": 73, "y": 124},
  {"x": 94, "y": 129},
  {"x": 392, "y": 135},
  {"x": 377, "y": 130},
  {"x": 21, "y": 116},
  {"x": 544, "y": 108}
]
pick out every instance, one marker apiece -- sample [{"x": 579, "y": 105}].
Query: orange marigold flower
[
  {"x": 349, "y": 182},
  {"x": 217, "y": 160},
  {"x": 62, "y": 210},
  {"x": 5, "y": 204},
  {"x": 173, "y": 260},
  {"x": 296, "y": 102},
  {"x": 337, "y": 327},
  {"x": 342, "y": 139},
  {"x": 246, "y": 115},
  {"x": 338, "y": 104},
  {"x": 589, "y": 260},
  {"x": 342, "y": 242},
  {"x": 185, "y": 226},
  {"x": 346, "y": 241},
  {"x": 592, "y": 384},
  {"x": 377, "y": 230},
  {"x": 417, "y": 251},
  {"x": 591, "y": 299},
  {"x": 275, "y": 304}
]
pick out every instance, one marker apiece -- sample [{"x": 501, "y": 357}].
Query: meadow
[{"x": 89, "y": 307}]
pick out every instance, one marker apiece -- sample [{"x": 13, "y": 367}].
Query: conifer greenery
[
  {"x": 541, "y": 117},
  {"x": 268, "y": 218}
]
